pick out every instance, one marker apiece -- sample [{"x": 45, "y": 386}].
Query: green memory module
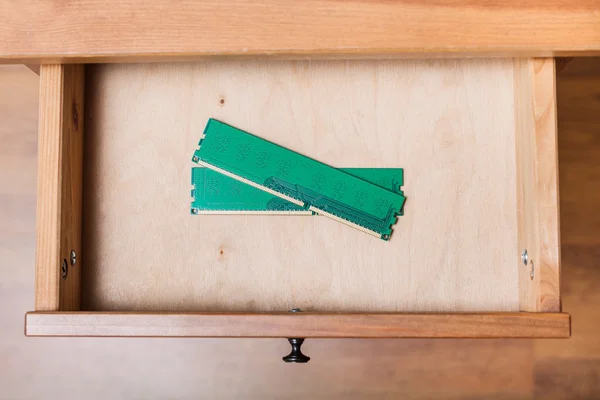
[
  {"x": 215, "y": 193},
  {"x": 300, "y": 180}
]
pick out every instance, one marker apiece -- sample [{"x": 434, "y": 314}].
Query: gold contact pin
[
  {"x": 283, "y": 196},
  {"x": 248, "y": 182},
  {"x": 344, "y": 221},
  {"x": 242, "y": 212}
]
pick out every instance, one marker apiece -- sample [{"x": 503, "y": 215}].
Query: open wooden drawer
[{"x": 119, "y": 253}]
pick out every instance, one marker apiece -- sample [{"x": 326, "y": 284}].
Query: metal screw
[
  {"x": 524, "y": 257},
  {"x": 295, "y": 310},
  {"x": 73, "y": 258},
  {"x": 532, "y": 270},
  {"x": 64, "y": 269}
]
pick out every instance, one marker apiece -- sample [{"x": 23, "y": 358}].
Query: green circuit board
[
  {"x": 308, "y": 183},
  {"x": 215, "y": 193}
]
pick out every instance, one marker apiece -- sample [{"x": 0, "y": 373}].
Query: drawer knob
[{"x": 296, "y": 355}]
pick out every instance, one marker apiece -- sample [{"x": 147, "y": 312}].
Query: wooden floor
[{"x": 215, "y": 368}]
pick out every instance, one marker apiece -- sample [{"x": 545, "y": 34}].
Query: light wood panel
[
  {"x": 36, "y": 368},
  {"x": 60, "y": 155},
  {"x": 136, "y": 30},
  {"x": 304, "y": 325},
  {"x": 537, "y": 185},
  {"x": 449, "y": 123}
]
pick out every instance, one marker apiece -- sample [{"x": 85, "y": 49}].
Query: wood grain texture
[
  {"x": 306, "y": 325},
  {"x": 579, "y": 124},
  {"x": 33, "y": 368},
  {"x": 571, "y": 371},
  {"x": 582, "y": 300},
  {"x": 584, "y": 70},
  {"x": 450, "y": 124},
  {"x": 537, "y": 185},
  {"x": 60, "y": 170},
  {"x": 569, "y": 379},
  {"x": 136, "y": 30}
]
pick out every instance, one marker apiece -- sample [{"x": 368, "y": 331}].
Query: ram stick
[
  {"x": 300, "y": 180},
  {"x": 215, "y": 193}
]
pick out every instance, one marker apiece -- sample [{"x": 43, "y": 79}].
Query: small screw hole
[{"x": 64, "y": 269}]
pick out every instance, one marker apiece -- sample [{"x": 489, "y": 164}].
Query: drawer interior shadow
[{"x": 449, "y": 123}]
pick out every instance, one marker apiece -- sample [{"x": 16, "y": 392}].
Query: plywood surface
[
  {"x": 133, "y": 30},
  {"x": 449, "y": 123}
]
